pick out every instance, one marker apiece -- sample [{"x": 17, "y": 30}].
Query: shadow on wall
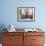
[{"x": 2, "y": 26}]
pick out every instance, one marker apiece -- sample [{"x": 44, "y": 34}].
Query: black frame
[{"x": 25, "y": 20}]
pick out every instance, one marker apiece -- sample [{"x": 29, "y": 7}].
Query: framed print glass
[{"x": 26, "y": 14}]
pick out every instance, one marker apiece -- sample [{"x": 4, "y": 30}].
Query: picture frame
[{"x": 26, "y": 14}]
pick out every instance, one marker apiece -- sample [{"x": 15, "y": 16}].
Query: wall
[{"x": 9, "y": 13}]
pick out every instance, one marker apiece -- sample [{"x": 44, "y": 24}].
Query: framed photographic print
[{"x": 26, "y": 14}]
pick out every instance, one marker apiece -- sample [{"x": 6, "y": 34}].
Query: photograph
[{"x": 26, "y": 14}]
